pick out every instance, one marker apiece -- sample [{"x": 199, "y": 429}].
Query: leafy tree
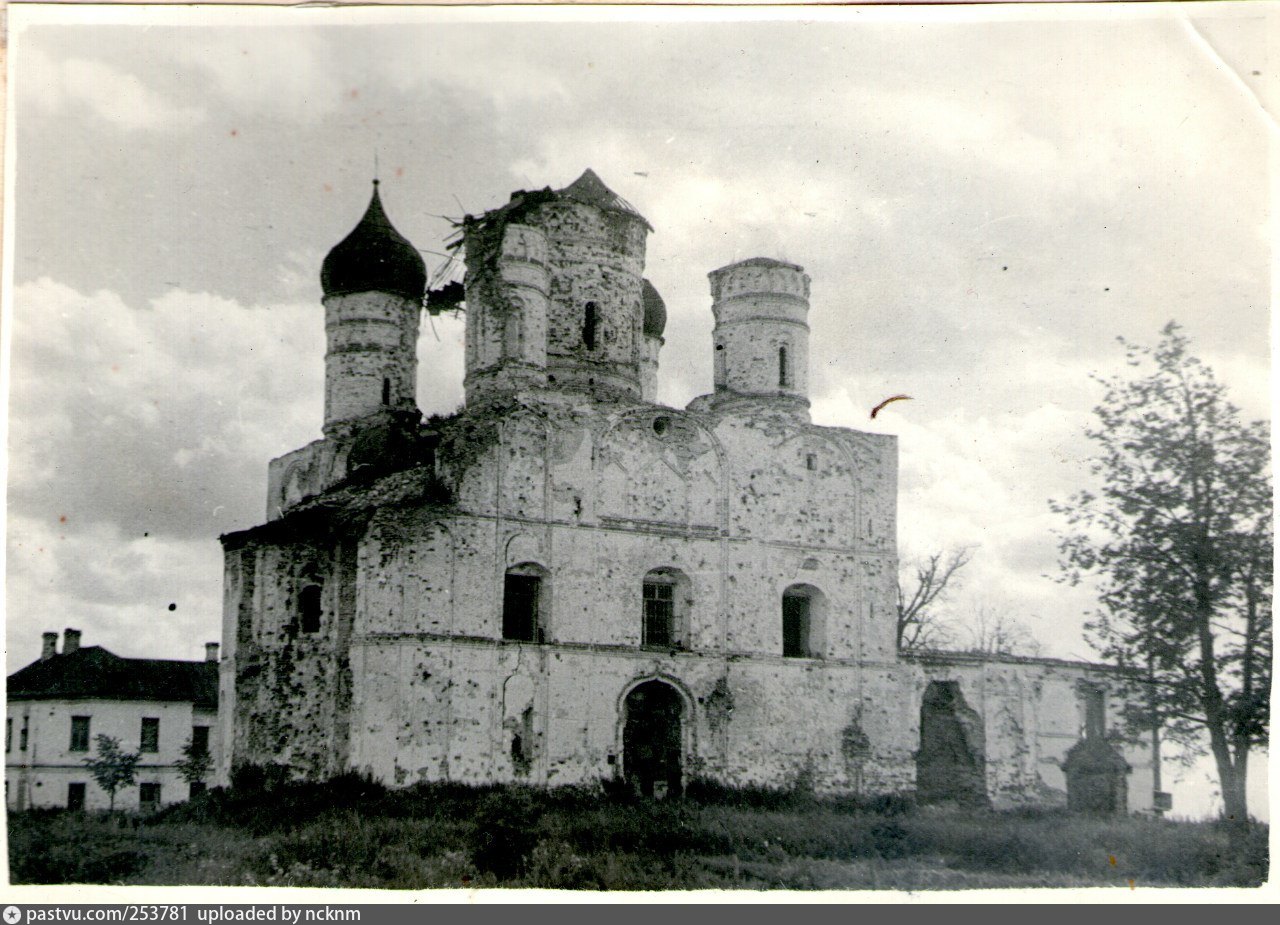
[
  {"x": 919, "y": 625},
  {"x": 195, "y": 764},
  {"x": 1179, "y": 541},
  {"x": 113, "y": 768}
]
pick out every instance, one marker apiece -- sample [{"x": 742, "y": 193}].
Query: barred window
[
  {"x": 80, "y": 733},
  {"x": 659, "y": 614}
]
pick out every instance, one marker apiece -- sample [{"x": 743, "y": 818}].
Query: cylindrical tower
[
  {"x": 507, "y": 284},
  {"x": 373, "y": 282},
  {"x": 583, "y": 316},
  {"x": 597, "y": 249},
  {"x": 761, "y": 336}
]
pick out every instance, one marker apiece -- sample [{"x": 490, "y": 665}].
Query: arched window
[
  {"x": 784, "y": 368},
  {"x": 590, "y": 318},
  {"x": 309, "y": 608},
  {"x": 524, "y": 603},
  {"x": 804, "y": 617},
  {"x": 665, "y": 602}
]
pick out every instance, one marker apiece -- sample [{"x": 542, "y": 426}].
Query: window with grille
[
  {"x": 150, "y": 739},
  {"x": 79, "y": 733},
  {"x": 659, "y": 614}
]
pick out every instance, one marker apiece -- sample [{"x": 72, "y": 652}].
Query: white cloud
[{"x": 112, "y": 94}]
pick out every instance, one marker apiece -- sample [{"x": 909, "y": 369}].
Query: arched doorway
[
  {"x": 652, "y": 740},
  {"x": 949, "y": 765}
]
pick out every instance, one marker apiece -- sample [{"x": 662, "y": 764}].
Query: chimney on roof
[
  {"x": 70, "y": 641},
  {"x": 210, "y": 651},
  {"x": 50, "y": 647}
]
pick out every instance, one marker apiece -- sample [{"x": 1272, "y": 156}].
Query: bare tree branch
[{"x": 919, "y": 625}]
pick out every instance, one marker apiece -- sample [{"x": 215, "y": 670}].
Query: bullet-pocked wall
[{"x": 566, "y": 582}]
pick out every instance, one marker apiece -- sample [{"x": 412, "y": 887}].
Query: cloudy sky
[{"x": 983, "y": 206}]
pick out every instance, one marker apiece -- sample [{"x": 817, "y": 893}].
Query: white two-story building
[{"x": 59, "y": 705}]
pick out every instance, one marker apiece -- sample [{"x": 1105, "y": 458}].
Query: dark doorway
[
  {"x": 651, "y": 740},
  {"x": 949, "y": 765},
  {"x": 75, "y": 796}
]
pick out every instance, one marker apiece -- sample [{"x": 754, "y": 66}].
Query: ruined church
[{"x": 566, "y": 582}]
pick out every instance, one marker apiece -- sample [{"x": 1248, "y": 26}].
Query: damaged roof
[{"x": 588, "y": 189}]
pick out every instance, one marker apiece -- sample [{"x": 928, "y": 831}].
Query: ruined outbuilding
[{"x": 567, "y": 582}]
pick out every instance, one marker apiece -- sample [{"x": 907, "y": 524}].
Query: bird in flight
[{"x": 877, "y": 408}]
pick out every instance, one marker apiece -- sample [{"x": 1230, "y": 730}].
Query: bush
[
  {"x": 352, "y": 831},
  {"x": 61, "y": 846},
  {"x": 504, "y": 831}
]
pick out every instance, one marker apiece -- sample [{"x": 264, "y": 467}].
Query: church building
[{"x": 566, "y": 582}]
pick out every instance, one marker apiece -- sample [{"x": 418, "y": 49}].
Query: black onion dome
[
  {"x": 655, "y": 310},
  {"x": 374, "y": 258}
]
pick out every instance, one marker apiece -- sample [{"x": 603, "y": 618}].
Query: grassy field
[{"x": 352, "y": 833}]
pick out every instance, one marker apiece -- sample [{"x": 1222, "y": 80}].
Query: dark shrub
[
  {"x": 505, "y": 831},
  {"x": 259, "y": 778},
  {"x": 712, "y": 793},
  {"x": 73, "y": 863}
]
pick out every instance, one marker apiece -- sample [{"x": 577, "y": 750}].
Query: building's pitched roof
[{"x": 93, "y": 672}]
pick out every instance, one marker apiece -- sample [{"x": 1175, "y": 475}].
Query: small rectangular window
[
  {"x": 79, "y": 733},
  {"x": 520, "y": 607},
  {"x": 199, "y": 739},
  {"x": 22, "y": 736},
  {"x": 311, "y": 606},
  {"x": 659, "y": 614},
  {"x": 75, "y": 796},
  {"x": 150, "y": 739},
  {"x": 149, "y": 796},
  {"x": 811, "y": 462},
  {"x": 795, "y": 626}
]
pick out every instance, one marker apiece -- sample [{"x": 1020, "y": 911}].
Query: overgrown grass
[{"x": 352, "y": 832}]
